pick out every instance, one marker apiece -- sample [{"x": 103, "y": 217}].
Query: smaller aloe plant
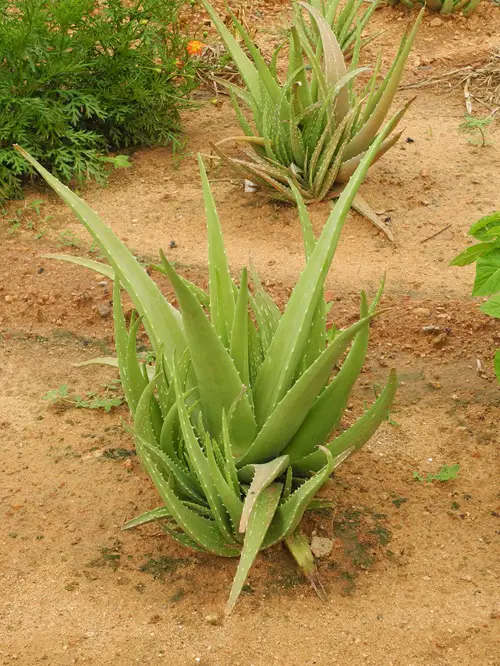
[
  {"x": 233, "y": 424},
  {"x": 313, "y": 129},
  {"x": 467, "y": 7}
]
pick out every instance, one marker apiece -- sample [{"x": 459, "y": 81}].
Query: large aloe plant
[
  {"x": 234, "y": 424},
  {"x": 314, "y": 128},
  {"x": 467, "y": 7}
]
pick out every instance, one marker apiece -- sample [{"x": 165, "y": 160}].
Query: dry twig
[
  {"x": 480, "y": 81},
  {"x": 436, "y": 234}
]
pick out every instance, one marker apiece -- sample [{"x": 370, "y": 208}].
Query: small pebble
[
  {"x": 321, "y": 546},
  {"x": 440, "y": 340},
  {"x": 214, "y": 619},
  {"x": 104, "y": 310},
  {"x": 436, "y": 22}
]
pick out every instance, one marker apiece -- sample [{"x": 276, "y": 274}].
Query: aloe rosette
[
  {"x": 313, "y": 129},
  {"x": 234, "y": 422}
]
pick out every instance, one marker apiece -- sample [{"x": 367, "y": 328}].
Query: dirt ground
[{"x": 413, "y": 577}]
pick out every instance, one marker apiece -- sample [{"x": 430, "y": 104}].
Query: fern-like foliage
[{"x": 81, "y": 77}]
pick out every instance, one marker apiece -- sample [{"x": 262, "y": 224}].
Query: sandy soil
[{"x": 413, "y": 577}]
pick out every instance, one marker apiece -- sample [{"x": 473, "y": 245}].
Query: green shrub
[
  {"x": 83, "y": 77},
  {"x": 486, "y": 255}
]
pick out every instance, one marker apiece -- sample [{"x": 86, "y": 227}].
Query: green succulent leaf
[
  {"x": 388, "y": 89},
  {"x": 97, "y": 266},
  {"x": 160, "y": 513},
  {"x": 359, "y": 433},
  {"x": 262, "y": 476},
  {"x": 239, "y": 333},
  {"x": 201, "y": 530},
  {"x": 202, "y": 468},
  {"x": 246, "y": 68},
  {"x": 222, "y": 302},
  {"x": 299, "y": 547},
  {"x": 260, "y": 518},
  {"x": 218, "y": 380},
  {"x": 326, "y": 411},
  {"x": 290, "y": 513},
  {"x": 291, "y": 411}
]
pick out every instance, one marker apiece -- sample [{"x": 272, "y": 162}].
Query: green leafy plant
[
  {"x": 446, "y": 473},
  {"x": 473, "y": 125},
  {"x": 486, "y": 255},
  {"x": 26, "y": 217},
  {"x": 234, "y": 427},
  {"x": 83, "y": 77},
  {"x": 92, "y": 400},
  {"x": 68, "y": 238},
  {"x": 313, "y": 129},
  {"x": 118, "y": 161},
  {"x": 467, "y": 7}
]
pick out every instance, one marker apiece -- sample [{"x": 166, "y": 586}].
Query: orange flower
[{"x": 194, "y": 47}]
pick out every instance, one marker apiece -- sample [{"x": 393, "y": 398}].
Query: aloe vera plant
[
  {"x": 234, "y": 422},
  {"x": 313, "y": 129},
  {"x": 467, "y": 7}
]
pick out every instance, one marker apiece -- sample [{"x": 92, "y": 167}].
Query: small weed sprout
[
  {"x": 472, "y": 125},
  {"x": 118, "y": 161},
  {"x": 26, "y": 217},
  {"x": 446, "y": 473},
  {"x": 67, "y": 238},
  {"x": 92, "y": 399}
]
